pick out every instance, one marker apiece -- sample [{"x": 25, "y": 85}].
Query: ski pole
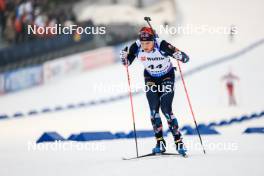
[
  {"x": 190, "y": 105},
  {"x": 131, "y": 103},
  {"x": 148, "y": 19}
]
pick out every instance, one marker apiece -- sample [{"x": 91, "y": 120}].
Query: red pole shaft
[
  {"x": 132, "y": 106},
  {"x": 190, "y": 105}
]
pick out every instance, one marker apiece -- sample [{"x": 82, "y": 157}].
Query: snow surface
[
  {"x": 207, "y": 92},
  {"x": 105, "y": 158}
]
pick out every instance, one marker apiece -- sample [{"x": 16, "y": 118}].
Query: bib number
[{"x": 152, "y": 67}]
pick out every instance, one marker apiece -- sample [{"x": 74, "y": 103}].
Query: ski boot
[
  {"x": 160, "y": 146},
  {"x": 181, "y": 149}
]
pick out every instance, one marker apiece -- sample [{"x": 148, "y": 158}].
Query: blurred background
[
  {"x": 65, "y": 83},
  {"x": 59, "y": 86}
]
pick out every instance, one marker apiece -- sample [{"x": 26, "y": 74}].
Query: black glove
[
  {"x": 123, "y": 56},
  {"x": 181, "y": 56}
]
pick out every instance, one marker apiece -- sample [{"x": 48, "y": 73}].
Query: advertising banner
[
  {"x": 22, "y": 78},
  {"x": 62, "y": 67},
  {"x": 98, "y": 57},
  {"x": 2, "y": 87}
]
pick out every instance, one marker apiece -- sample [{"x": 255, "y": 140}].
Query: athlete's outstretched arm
[{"x": 174, "y": 52}]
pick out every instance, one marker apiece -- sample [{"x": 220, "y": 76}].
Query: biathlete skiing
[{"x": 159, "y": 75}]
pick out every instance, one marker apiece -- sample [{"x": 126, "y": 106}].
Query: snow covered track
[
  {"x": 231, "y": 153},
  {"x": 247, "y": 159}
]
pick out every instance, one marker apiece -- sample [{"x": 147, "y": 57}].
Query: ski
[
  {"x": 141, "y": 156},
  {"x": 153, "y": 154},
  {"x": 185, "y": 156}
]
